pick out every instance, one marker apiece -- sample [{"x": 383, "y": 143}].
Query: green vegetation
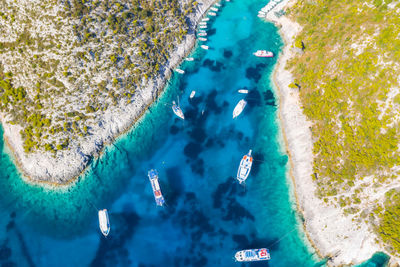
[
  {"x": 346, "y": 73},
  {"x": 124, "y": 42}
]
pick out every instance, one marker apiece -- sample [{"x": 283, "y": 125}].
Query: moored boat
[
  {"x": 202, "y": 39},
  {"x": 243, "y": 91},
  {"x": 244, "y": 167},
  {"x": 212, "y": 14},
  {"x": 214, "y": 9},
  {"x": 239, "y": 108},
  {"x": 205, "y": 47},
  {"x": 192, "y": 94},
  {"x": 260, "y": 254},
  {"x": 104, "y": 222},
  {"x": 153, "y": 177},
  {"x": 263, "y": 53},
  {"x": 218, "y": 4},
  {"x": 203, "y": 26},
  {"x": 189, "y": 58},
  {"x": 177, "y": 110},
  {"x": 180, "y": 71},
  {"x": 205, "y": 19},
  {"x": 202, "y": 34},
  {"x": 203, "y": 23}
]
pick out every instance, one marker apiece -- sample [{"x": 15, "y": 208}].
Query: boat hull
[{"x": 104, "y": 222}]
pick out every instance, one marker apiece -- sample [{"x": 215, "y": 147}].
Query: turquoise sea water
[{"x": 208, "y": 214}]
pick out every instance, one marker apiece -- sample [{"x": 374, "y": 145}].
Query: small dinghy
[
  {"x": 239, "y": 108},
  {"x": 104, "y": 223}
]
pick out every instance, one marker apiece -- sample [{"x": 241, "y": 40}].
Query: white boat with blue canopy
[
  {"x": 153, "y": 177},
  {"x": 244, "y": 167},
  {"x": 259, "y": 254}
]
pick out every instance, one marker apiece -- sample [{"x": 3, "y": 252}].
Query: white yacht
[
  {"x": 205, "y": 47},
  {"x": 239, "y": 108},
  {"x": 212, "y": 14},
  {"x": 192, "y": 94},
  {"x": 244, "y": 167},
  {"x": 189, "y": 58},
  {"x": 180, "y": 71},
  {"x": 214, "y": 9},
  {"x": 260, "y": 254},
  {"x": 243, "y": 91},
  {"x": 202, "y": 39},
  {"x": 177, "y": 110},
  {"x": 104, "y": 223},
  {"x": 202, "y": 34},
  {"x": 203, "y": 23},
  {"x": 205, "y": 19}
]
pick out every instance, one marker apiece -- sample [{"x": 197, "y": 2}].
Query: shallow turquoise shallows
[{"x": 208, "y": 216}]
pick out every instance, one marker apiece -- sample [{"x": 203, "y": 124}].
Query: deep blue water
[{"x": 208, "y": 214}]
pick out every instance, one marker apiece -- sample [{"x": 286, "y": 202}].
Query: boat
[
  {"x": 214, "y": 9},
  {"x": 205, "y": 19},
  {"x": 180, "y": 71},
  {"x": 218, "y": 4},
  {"x": 192, "y": 94},
  {"x": 205, "y": 47},
  {"x": 239, "y": 108},
  {"x": 202, "y": 34},
  {"x": 263, "y": 53},
  {"x": 202, "y": 39},
  {"x": 177, "y": 110},
  {"x": 212, "y": 14},
  {"x": 153, "y": 177},
  {"x": 104, "y": 223},
  {"x": 203, "y": 23},
  {"x": 189, "y": 58},
  {"x": 243, "y": 91},
  {"x": 244, "y": 167},
  {"x": 203, "y": 27},
  {"x": 260, "y": 254},
  {"x": 261, "y": 16}
]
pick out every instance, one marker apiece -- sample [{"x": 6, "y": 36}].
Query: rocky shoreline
[
  {"x": 333, "y": 235},
  {"x": 66, "y": 166}
]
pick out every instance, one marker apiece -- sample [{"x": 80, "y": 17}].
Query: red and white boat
[{"x": 263, "y": 53}]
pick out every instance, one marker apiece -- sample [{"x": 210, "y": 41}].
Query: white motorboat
[
  {"x": 244, "y": 167},
  {"x": 214, "y": 9},
  {"x": 239, "y": 108},
  {"x": 205, "y": 19},
  {"x": 104, "y": 222},
  {"x": 177, "y": 110},
  {"x": 205, "y": 47},
  {"x": 192, "y": 94},
  {"x": 202, "y": 34},
  {"x": 260, "y": 254},
  {"x": 203, "y": 23},
  {"x": 212, "y": 14},
  {"x": 243, "y": 91},
  {"x": 203, "y": 26},
  {"x": 202, "y": 39},
  {"x": 180, "y": 71},
  {"x": 263, "y": 53},
  {"x": 189, "y": 58}
]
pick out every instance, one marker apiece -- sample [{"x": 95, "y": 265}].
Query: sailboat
[
  {"x": 244, "y": 167},
  {"x": 104, "y": 223},
  {"x": 177, "y": 110}
]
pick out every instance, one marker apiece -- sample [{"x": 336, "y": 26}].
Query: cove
[{"x": 208, "y": 215}]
